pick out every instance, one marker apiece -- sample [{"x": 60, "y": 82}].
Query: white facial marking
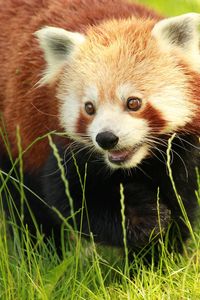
[
  {"x": 69, "y": 113},
  {"x": 126, "y": 90},
  {"x": 171, "y": 102},
  {"x": 91, "y": 93}
]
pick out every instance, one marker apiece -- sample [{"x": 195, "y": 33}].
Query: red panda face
[
  {"x": 120, "y": 92},
  {"x": 122, "y": 119}
]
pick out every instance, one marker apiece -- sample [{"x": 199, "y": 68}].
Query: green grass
[
  {"x": 88, "y": 271},
  {"x": 173, "y": 7}
]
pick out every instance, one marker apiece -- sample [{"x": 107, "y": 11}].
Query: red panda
[
  {"x": 116, "y": 78},
  {"x": 35, "y": 109},
  {"x": 129, "y": 52}
]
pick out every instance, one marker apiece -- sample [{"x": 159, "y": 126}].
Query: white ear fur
[
  {"x": 58, "y": 46},
  {"x": 181, "y": 32}
]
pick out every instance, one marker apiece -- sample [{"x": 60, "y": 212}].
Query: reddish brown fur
[
  {"x": 193, "y": 79},
  {"x": 82, "y": 124},
  {"x": 33, "y": 109},
  {"x": 155, "y": 119}
]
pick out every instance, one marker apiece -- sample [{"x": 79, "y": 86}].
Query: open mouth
[{"x": 121, "y": 156}]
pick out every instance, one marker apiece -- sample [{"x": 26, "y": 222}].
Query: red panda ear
[
  {"x": 58, "y": 46},
  {"x": 183, "y": 33}
]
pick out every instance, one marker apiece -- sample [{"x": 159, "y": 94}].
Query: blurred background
[{"x": 173, "y": 7}]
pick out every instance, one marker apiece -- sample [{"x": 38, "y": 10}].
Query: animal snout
[{"x": 107, "y": 140}]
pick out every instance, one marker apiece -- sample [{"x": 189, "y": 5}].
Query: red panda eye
[
  {"x": 89, "y": 108},
  {"x": 134, "y": 103}
]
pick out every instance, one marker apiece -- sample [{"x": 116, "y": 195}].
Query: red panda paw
[{"x": 146, "y": 223}]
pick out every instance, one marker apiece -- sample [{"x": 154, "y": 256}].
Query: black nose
[{"x": 107, "y": 140}]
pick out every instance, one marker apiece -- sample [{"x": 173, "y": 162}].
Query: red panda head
[{"x": 125, "y": 83}]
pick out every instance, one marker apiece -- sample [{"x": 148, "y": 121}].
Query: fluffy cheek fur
[
  {"x": 174, "y": 106},
  {"x": 70, "y": 114}
]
